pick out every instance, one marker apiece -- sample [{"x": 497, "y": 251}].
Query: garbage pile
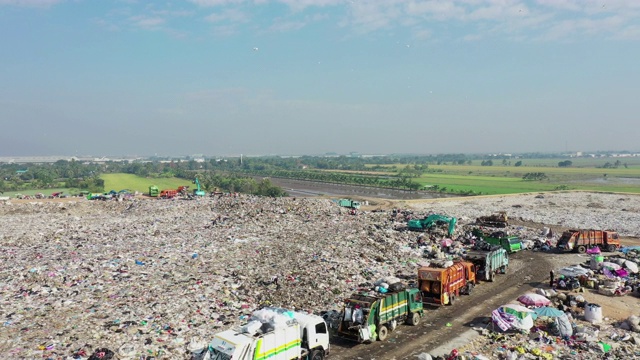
[
  {"x": 139, "y": 278},
  {"x": 538, "y": 331},
  {"x": 560, "y": 322},
  {"x": 142, "y": 277}
]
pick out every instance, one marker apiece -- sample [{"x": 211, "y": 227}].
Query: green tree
[{"x": 518, "y": 163}]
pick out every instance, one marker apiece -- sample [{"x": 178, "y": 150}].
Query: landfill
[
  {"x": 140, "y": 278},
  {"x": 561, "y": 323},
  {"x": 143, "y": 277}
]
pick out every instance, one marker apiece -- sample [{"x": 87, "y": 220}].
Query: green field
[
  {"x": 584, "y": 174},
  {"x": 132, "y": 182},
  {"x": 512, "y": 185}
]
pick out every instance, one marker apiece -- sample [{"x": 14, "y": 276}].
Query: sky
[{"x": 294, "y": 77}]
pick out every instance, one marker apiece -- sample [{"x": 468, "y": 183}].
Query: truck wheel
[
  {"x": 383, "y": 332},
  {"x": 316, "y": 355},
  {"x": 414, "y": 319},
  {"x": 469, "y": 288},
  {"x": 492, "y": 276},
  {"x": 452, "y": 299},
  {"x": 582, "y": 249},
  {"x": 611, "y": 248}
]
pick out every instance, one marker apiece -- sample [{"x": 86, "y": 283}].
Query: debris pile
[{"x": 81, "y": 276}]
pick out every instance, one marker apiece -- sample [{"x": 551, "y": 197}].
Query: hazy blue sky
[{"x": 224, "y": 77}]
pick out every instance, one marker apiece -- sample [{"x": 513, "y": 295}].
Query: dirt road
[{"x": 527, "y": 270}]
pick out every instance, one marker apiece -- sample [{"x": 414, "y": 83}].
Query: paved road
[{"x": 302, "y": 188}]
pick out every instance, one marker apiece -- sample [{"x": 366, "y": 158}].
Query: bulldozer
[{"x": 498, "y": 220}]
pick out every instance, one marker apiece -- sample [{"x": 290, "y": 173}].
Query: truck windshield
[{"x": 219, "y": 355}]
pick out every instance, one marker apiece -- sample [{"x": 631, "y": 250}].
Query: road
[
  {"x": 301, "y": 188},
  {"x": 527, "y": 270}
]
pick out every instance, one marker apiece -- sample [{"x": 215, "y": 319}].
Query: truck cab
[{"x": 305, "y": 337}]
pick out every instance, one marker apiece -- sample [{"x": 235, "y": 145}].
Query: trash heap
[
  {"x": 562, "y": 325},
  {"x": 142, "y": 277}
]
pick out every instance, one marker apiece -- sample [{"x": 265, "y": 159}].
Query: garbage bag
[{"x": 564, "y": 326}]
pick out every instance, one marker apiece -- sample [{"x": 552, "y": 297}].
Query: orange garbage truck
[
  {"x": 581, "y": 240},
  {"x": 442, "y": 285}
]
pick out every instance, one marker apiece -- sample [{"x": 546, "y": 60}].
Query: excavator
[
  {"x": 430, "y": 221},
  {"x": 198, "y": 191}
]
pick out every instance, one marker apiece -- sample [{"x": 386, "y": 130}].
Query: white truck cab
[{"x": 305, "y": 336}]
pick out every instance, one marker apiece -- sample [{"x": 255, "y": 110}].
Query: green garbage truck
[
  {"x": 511, "y": 243},
  {"x": 348, "y": 203},
  {"x": 488, "y": 263},
  {"x": 370, "y": 316}
]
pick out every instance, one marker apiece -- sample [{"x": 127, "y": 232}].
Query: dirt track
[{"x": 527, "y": 270}]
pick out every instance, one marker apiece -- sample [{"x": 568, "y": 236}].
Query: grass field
[
  {"x": 584, "y": 174},
  {"x": 132, "y": 182}
]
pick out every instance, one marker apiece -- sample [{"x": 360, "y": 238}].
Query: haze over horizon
[{"x": 221, "y": 77}]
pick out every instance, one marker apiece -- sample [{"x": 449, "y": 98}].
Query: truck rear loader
[
  {"x": 442, "y": 285},
  {"x": 303, "y": 336},
  {"x": 580, "y": 240},
  {"x": 488, "y": 263},
  {"x": 367, "y": 317}
]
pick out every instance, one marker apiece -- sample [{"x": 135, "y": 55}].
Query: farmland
[
  {"x": 141, "y": 184},
  {"x": 503, "y": 179}
]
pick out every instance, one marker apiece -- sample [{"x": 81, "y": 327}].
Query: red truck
[
  {"x": 581, "y": 240},
  {"x": 168, "y": 194},
  {"x": 442, "y": 285}
]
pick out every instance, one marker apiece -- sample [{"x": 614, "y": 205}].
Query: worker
[
  {"x": 551, "y": 278},
  {"x": 562, "y": 284}
]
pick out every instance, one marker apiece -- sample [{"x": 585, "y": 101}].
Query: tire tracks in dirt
[{"x": 527, "y": 271}]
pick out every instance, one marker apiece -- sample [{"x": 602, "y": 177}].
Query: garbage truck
[
  {"x": 511, "y": 243},
  {"x": 348, "y": 203},
  {"x": 441, "y": 284},
  {"x": 371, "y": 315},
  {"x": 580, "y": 240},
  {"x": 273, "y": 334},
  {"x": 488, "y": 263}
]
